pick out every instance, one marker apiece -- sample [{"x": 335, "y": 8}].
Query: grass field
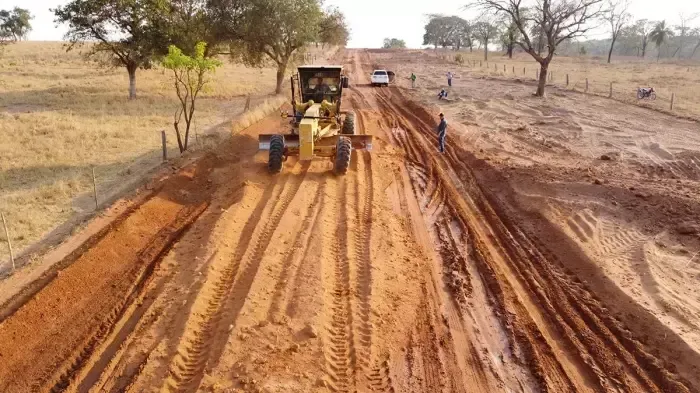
[
  {"x": 626, "y": 74},
  {"x": 60, "y": 116}
]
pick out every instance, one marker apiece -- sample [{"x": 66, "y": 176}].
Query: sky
[{"x": 371, "y": 21}]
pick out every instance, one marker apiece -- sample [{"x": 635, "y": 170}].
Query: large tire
[
  {"x": 276, "y": 157},
  {"x": 652, "y": 96},
  {"x": 349, "y": 124},
  {"x": 343, "y": 151}
]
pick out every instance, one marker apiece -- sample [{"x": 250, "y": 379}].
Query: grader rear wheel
[
  {"x": 274, "y": 162},
  {"x": 343, "y": 152}
]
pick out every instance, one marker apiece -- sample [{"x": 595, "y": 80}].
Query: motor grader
[{"x": 318, "y": 126}]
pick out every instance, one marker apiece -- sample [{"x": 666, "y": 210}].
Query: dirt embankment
[{"x": 416, "y": 272}]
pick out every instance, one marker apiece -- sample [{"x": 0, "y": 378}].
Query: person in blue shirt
[{"x": 442, "y": 133}]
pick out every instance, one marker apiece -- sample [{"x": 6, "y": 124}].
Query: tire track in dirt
[
  {"x": 194, "y": 352},
  {"x": 339, "y": 347},
  {"x": 296, "y": 255},
  {"x": 612, "y": 358}
]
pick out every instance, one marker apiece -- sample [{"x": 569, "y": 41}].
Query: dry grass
[
  {"x": 60, "y": 116},
  {"x": 626, "y": 74}
]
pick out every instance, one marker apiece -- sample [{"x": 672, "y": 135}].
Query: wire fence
[{"x": 684, "y": 102}]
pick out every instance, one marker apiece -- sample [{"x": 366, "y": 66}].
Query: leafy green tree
[
  {"x": 509, "y": 38},
  {"x": 15, "y": 25},
  {"x": 394, "y": 43},
  {"x": 448, "y": 31},
  {"x": 485, "y": 31},
  {"x": 334, "y": 29},
  {"x": 126, "y": 31},
  {"x": 660, "y": 35},
  {"x": 190, "y": 77},
  {"x": 275, "y": 30}
]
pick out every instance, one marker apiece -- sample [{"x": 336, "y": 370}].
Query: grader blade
[{"x": 359, "y": 142}]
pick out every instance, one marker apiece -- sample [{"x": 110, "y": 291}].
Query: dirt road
[{"x": 416, "y": 272}]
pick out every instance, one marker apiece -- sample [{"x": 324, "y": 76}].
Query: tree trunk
[
  {"x": 612, "y": 44},
  {"x": 694, "y": 50},
  {"x": 281, "y": 68},
  {"x": 644, "y": 47},
  {"x": 542, "y": 83},
  {"x": 131, "y": 69},
  {"x": 486, "y": 51}
]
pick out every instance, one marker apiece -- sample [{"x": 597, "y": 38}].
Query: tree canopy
[
  {"x": 394, "y": 43},
  {"x": 15, "y": 24},
  {"x": 447, "y": 31}
]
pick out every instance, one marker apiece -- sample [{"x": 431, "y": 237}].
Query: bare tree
[
  {"x": 617, "y": 16},
  {"x": 683, "y": 29},
  {"x": 560, "y": 20}
]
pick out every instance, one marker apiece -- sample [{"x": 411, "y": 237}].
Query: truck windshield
[{"x": 380, "y": 73}]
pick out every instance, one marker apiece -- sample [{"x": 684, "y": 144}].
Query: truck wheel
[
  {"x": 349, "y": 124},
  {"x": 274, "y": 162},
  {"x": 343, "y": 150}
]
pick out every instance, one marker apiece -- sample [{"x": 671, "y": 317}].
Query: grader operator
[{"x": 319, "y": 127}]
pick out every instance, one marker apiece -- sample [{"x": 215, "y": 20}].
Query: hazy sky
[{"x": 373, "y": 20}]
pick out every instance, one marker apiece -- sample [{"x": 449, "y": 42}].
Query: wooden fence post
[
  {"x": 165, "y": 145},
  {"x": 567, "y": 79},
  {"x": 586, "y": 85},
  {"x": 551, "y": 76},
  {"x": 523, "y": 70},
  {"x": 9, "y": 242},
  {"x": 610, "y": 90},
  {"x": 504, "y": 68},
  {"x": 513, "y": 70},
  {"x": 94, "y": 187},
  {"x": 537, "y": 74},
  {"x": 247, "y": 104},
  {"x": 495, "y": 67},
  {"x": 481, "y": 63},
  {"x": 673, "y": 98}
]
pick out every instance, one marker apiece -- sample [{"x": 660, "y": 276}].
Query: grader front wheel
[
  {"x": 343, "y": 152},
  {"x": 274, "y": 162},
  {"x": 349, "y": 124}
]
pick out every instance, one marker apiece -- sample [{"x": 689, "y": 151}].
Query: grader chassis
[{"x": 319, "y": 127}]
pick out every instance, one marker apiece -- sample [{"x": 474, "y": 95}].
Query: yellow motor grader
[{"x": 318, "y": 127}]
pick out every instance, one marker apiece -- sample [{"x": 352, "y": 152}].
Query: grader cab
[{"x": 318, "y": 126}]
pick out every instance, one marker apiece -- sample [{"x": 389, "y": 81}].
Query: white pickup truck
[{"x": 382, "y": 77}]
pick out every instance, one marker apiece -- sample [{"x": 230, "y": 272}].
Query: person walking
[
  {"x": 442, "y": 133},
  {"x": 413, "y": 80},
  {"x": 449, "y": 78}
]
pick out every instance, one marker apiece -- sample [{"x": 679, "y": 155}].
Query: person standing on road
[
  {"x": 442, "y": 133},
  {"x": 413, "y": 80},
  {"x": 449, "y": 78}
]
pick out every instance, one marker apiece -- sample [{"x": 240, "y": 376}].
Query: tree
[
  {"x": 276, "y": 29},
  {"x": 485, "y": 31},
  {"x": 660, "y": 35},
  {"x": 190, "y": 77},
  {"x": 643, "y": 28},
  {"x": 695, "y": 33},
  {"x": 447, "y": 31},
  {"x": 509, "y": 38},
  {"x": 15, "y": 25},
  {"x": 394, "y": 43},
  {"x": 683, "y": 28},
  {"x": 617, "y": 16},
  {"x": 124, "y": 30},
  {"x": 559, "y": 20},
  {"x": 334, "y": 29}
]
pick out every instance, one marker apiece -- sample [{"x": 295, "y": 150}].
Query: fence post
[
  {"x": 551, "y": 76},
  {"x": 165, "y": 145},
  {"x": 537, "y": 74},
  {"x": 247, "y": 104},
  {"x": 481, "y": 63},
  {"x": 523, "y": 70},
  {"x": 94, "y": 187},
  {"x": 504, "y": 68},
  {"x": 9, "y": 242},
  {"x": 610, "y": 90},
  {"x": 495, "y": 67},
  {"x": 586, "y": 85},
  {"x": 673, "y": 97},
  {"x": 567, "y": 79},
  {"x": 513, "y": 70}
]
